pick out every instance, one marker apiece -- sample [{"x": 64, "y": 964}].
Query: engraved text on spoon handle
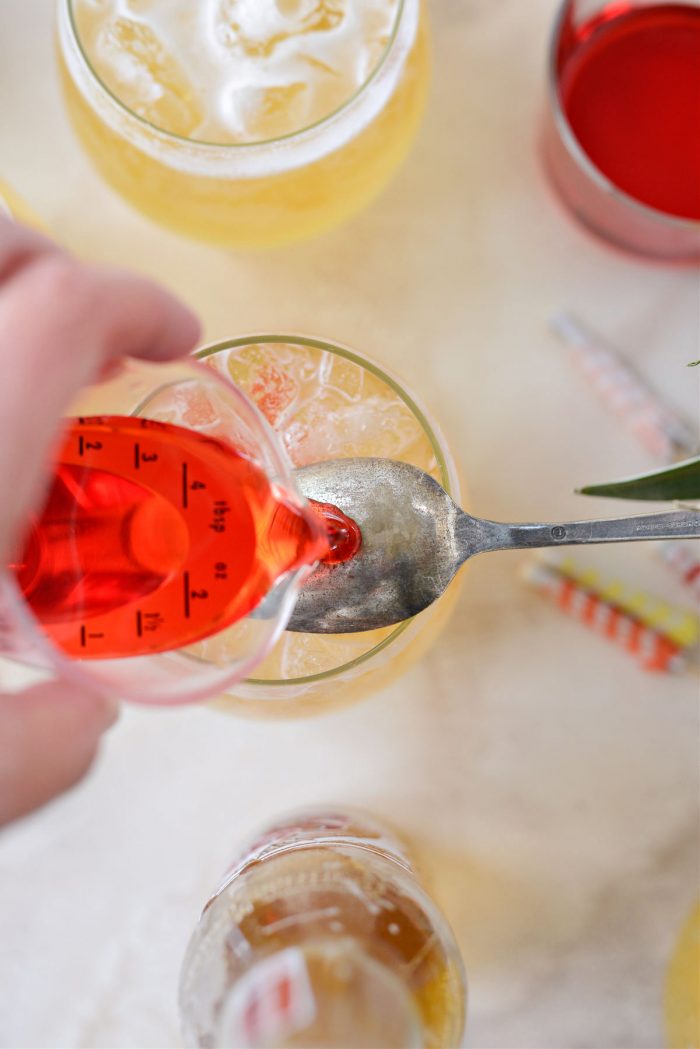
[{"x": 674, "y": 524}]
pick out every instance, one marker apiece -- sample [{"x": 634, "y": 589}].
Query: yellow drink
[
  {"x": 682, "y": 1000},
  {"x": 325, "y": 402},
  {"x": 242, "y": 123}
]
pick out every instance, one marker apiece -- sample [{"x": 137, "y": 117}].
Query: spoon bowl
[{"x": 414, "y": 540}]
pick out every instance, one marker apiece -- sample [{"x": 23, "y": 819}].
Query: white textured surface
[{"x": 553, "y": 785}]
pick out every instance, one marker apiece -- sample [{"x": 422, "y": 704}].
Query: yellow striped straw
[{"x": 678, "y": 624}]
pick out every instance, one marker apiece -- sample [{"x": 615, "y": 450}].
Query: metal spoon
[{"x": 414, "y": 539}]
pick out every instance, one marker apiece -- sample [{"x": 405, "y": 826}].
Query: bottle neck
[{"x": 326, "y": 993}]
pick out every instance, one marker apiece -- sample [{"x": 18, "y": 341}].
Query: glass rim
[
  {"x": 576, "y": 150},
  {"x": 204, "y": 145},
  {"x": 395, "y": 384}
]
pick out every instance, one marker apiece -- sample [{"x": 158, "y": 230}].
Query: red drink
[
  {"x": 630, "y": 87},
  {"x": 154, "y": 536},
  {"x": 623, "y": 142}
]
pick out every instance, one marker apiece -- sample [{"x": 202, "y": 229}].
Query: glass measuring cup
[{"x": 195, "y": 397}]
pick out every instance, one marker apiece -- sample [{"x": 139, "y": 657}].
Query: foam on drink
[{"x": 235, "y": 71}]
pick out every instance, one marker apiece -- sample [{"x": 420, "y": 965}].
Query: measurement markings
[
  {"x": 82, "y": 636},
  {"x": 81, "y": 446},
  {"x": 184, "y": 486},
  {"x": 139, "y": 624},
  {"x": 187, "y": 594},
  {"x": 137, "y": 456}
]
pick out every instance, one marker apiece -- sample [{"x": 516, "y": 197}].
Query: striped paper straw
[
  {"x": 678, "y": 624},
  {"x": 657, "y": 426},
  {"x": 684, "y": 564},
  {"x": 653, "y": 649}
]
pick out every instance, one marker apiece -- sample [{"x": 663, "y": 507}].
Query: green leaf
[{"x": 681, "y": 481}]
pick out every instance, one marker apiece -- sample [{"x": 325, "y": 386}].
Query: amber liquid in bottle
[{"x": 322, "y": 936}]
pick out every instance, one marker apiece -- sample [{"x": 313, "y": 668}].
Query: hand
[{"x": 62, "y": 324}]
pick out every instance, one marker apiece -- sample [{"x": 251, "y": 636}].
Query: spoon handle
[{"x": 673, "y": 524}]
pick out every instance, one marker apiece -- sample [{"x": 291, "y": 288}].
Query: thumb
[{"x": 49, "y": 736}]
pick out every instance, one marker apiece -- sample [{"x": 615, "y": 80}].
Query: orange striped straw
[{"x": 654, "y": 649}]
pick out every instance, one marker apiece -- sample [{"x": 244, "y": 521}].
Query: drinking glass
[
  {"x": 591, "y": 194},
  {"x": 327, "y": 402},
  {"x": 266, "y": 189}
]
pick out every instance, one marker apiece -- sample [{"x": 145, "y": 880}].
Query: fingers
[
  {"x": 49, "y": 736},
  {"x": 19, "y": 246},
  {"x": 61, "y": 324},
  {"x": 141, "y": 319},
  {"x": 80, "y": 317}
]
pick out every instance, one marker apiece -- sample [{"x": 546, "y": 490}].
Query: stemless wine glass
[
  {"x": 204, "y": 402},
  {"x": 588, "y": 47},
  {"x": 327, "y": 402},
  {"x": 238, "y": 179}
]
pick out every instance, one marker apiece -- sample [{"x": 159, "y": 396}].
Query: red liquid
[
  {"x": 630, "y": 87},
  {"x": 153, "y": 537}
]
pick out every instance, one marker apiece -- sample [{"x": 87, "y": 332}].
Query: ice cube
[
  {"x": 295, "y": 9},
  {"x": 253, "y": 26},
  {"x": 296, "y": 366},
  {"x": 257, "y": 27},
  {"x": 300, "y": 655},
  {"x": 275, "y": 392},
  {"x": 143, "y": 74},
  {"x": 261, "y": 113},
  {"x": 141, "y": 7},
  {"x": 374, "y": 426},
  {"x": 343, "y": 376},
  {"x": 315, "y": 16},
  {"x": 237, "y": 641},
  {"x": 294, "y": 655}
]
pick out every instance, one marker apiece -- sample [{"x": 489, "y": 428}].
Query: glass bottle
[{"x": 321, "y": 935}]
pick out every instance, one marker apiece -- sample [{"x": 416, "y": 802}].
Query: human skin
[{"x": 63, "y": 324}]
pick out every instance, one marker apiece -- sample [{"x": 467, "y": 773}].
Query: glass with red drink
[{"x": 621, "y": 137}]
